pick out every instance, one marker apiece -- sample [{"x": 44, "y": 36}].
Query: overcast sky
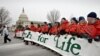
[{"x": 37, "y": 10}]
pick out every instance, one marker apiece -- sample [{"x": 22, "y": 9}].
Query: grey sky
[{"x": 37, "y": 10}]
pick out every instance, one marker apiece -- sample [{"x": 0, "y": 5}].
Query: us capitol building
[{"x": 23, "y": 19}]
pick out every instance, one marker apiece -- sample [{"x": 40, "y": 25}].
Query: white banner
[{"x": 65, "y": 45}]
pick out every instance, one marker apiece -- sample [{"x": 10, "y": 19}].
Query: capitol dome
[
  {"x": 23, "y": 16},
  {"x": 23, "y": 19}
]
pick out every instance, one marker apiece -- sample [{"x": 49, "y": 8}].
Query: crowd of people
[{"x": 82, "y": 28}]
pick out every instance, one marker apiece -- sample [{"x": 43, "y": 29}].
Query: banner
[{"x": 65, "y": 45}]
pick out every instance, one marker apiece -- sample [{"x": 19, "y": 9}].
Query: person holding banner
[
  {"x": 72, "y": 27},
  {"x": 45, "y": 28},
  {"x": 38, "y": 28},
  {"x": 94, "y": 27},
  {"x": 49, "y": 27},
  {"x": 81, "y": 27},
  {"x": 63, "y": 26},
  {"x": 55, "y": 29},
  {"x": 32, "y": 27},
  {"x": 97, "y": 26}
]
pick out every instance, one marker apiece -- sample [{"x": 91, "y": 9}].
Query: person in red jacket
[
  {"x": 50, "y": 26},
  {"x": 45, "y": 28},
  {"x": 38, "y": 28},
  {"x": 97, "y": 26},
  {"x": 54, "y": 29},
  {"x": 63, "y": 26},
  {"x": 72, "y": 27},
  {"x": 94, "y": 25},
  {"x": 32, "y": 27},
  {"x": 81, "y": 26}
]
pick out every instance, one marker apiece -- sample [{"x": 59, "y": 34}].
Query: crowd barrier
[{"x": 65, "y": 45}]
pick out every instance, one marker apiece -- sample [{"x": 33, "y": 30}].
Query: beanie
[
  {"x": 74, "y": 19},
  {"x": 92, "y": 15},
  {"x": 81, "y": 18}
]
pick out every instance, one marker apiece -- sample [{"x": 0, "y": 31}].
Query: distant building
[{"x": 23, "y": 19}]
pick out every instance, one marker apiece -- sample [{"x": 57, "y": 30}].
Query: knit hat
[
  {"x": 92, "y": 15},
  {"x": 64, "y": 18},
  {"x": 74, "y": 19},
  {"x": 81, "y": 18}
]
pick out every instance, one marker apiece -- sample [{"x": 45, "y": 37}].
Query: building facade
[{"x": 23, "y": 19}]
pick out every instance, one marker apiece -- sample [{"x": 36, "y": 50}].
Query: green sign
[
  {"x": 42, "y": 39},
  {"x": 28, "y": 35},
  {"x": 70, "y": 46}
]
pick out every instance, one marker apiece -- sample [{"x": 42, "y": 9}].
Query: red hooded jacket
[
  {"x": 97, "y": 26},
  {"x": 44, "y": 28},
  {"x": 38, "y": 29},
  {"x": 54, "y": 30},
  {"x": 91, "y": 31},
  {"x": 71, "y": 28},
  {"x": 64, "y": 25},
  {"x": 32, "y": 28},
  {"x": 81, "y": 28}
]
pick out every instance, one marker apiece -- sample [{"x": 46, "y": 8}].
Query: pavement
[{"x": 17, "y": 48}]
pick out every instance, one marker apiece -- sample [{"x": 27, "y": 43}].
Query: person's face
[
  {"x": 82, "y": 22},
  {"x": 56, "y": 24},
  {"x": 62, "y": 20},
  {"x": 91, "y": 20},
  {"x": 73, "y": 22}
]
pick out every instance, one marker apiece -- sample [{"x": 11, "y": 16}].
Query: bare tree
[
  {"x": 4, "y": 17},
  {"x": 53, "y": 16}
]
